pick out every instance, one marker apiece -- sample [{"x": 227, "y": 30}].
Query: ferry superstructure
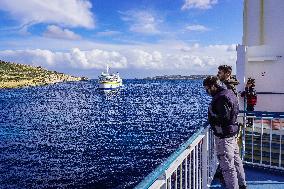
[
  {"x": 109, "y": 81},
  {"x": 261, "y": 57}
]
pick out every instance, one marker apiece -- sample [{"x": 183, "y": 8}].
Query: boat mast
[{"x": 107, "y": 68}]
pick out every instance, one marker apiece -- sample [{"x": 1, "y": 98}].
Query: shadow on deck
[{"x": 259, "y": 178}]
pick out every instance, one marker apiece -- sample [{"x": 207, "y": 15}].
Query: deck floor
[{"x": 259, "y": 178}]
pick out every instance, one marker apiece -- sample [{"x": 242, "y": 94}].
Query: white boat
[
  {"x": 109, "y": 81},
  {"x": 260, "y": 57}
]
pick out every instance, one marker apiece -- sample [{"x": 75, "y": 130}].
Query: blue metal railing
[
  {"x": 263, "y": 138},
  {"x": 264, "y": 114},
  {"x": 199, "y": 149},
  {"x": 201, "y": 142}
]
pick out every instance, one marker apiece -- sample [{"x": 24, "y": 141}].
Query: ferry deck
[
  {"x": 261, "y": 57},
  {"x": 194, "y": 164},
  {"x": 258, "y": 178}
]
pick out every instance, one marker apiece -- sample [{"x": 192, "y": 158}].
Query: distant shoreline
[{"x": 14, "y": 75}]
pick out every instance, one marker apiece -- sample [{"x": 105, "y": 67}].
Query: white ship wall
[{"x": 262, "y": 54}]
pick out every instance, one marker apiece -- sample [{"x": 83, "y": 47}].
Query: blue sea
[{"x": 70, "y": 135}]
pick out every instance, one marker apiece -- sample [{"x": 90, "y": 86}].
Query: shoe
[
  {"x": 219, "y": 176},
  {"x": 243, "y": 187}
]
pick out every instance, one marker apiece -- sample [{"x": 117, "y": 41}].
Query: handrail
[
  {"x": 194, "y": 148},
  {"x": 277, "y": 93},
  {"x": 160, "y": 170},
  {"x": 264, "y": 113},
  {"x": 262, "y": 138}
]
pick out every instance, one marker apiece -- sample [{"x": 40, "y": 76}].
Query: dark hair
[
  {"x": 210, "y": 81},
  {"x": 251, "y": 81},
  {"x": 225, "y": 68}
]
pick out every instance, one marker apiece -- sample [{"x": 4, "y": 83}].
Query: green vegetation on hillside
[{"x": 18, "y": 75}]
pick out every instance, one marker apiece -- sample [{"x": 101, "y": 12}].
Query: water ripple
[{"x": 69, "y": 135}]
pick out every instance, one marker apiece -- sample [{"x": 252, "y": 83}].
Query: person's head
[
  {"x": 251, "y": 82},
  {"x": 224, "y": 72},
  {"x": 211, "y": 85}
]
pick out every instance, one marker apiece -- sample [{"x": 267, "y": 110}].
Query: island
[{"x": 14, "y": 75}]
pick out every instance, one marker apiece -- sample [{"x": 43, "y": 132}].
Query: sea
[{"x": 72, "y": 135}]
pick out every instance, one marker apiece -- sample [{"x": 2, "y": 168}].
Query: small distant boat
[{"x": 109, "y": 81}]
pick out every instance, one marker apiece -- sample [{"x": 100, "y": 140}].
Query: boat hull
[{"x": 109, "y": 86}]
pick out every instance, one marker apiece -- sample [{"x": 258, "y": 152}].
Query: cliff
[{"x": 13, "y": 75}]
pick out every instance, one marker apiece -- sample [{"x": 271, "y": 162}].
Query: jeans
[{"x": 230, "y": 162}]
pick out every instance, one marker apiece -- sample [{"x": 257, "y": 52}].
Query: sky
[{"x": 137, "y": 38}]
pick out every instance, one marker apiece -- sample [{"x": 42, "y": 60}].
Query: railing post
[
  {"x": 270, "y": 142},
  {"x": 194, "y": 169},
  {"x": 280, "y": 148},
  {"x": 205, "y": 156},
  {"x": 243, "y": 131},
  {"x": 185, "y": 176},
  {"x": 243, "y": 138}
]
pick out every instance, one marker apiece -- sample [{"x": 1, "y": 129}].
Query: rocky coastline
[{"x": 14, "y": 75}]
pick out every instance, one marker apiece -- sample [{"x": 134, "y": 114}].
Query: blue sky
[{"x": 137, "y": 38}]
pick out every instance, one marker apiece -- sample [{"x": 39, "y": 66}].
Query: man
[
  {"x": 222, "y": 115},
  {"x": 250, "y": 94},
  {"x": 225, "y": 76},
  {"x": 251, "y": 98},
  {"x": 227, "y": 82}
]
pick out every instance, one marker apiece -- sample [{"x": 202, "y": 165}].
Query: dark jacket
[{"x": 223, "y": 112}]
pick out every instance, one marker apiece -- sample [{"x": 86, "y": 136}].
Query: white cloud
[
  {"x": 94, "y": 59},
  {"x": 71, "y": 13},
  {"x": 57, "y": 32},
  {"x": 36, "y": 57},
  {"x": 165, "y": 57},
  {"x": 190, "y": 48},
  {"x": 229, "y": 48},
  {"x": 184, "y": 62},
  {"x": 232, "y": 47},
  {"x": 141, "y": 22},
  {"x": 198, "y": 28},
  {"x": 146, "y": 60},
  {"x": 198, "y": 4},
  {"x": 108, "y": 33},
  {"x": 99, "y": 58}
]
